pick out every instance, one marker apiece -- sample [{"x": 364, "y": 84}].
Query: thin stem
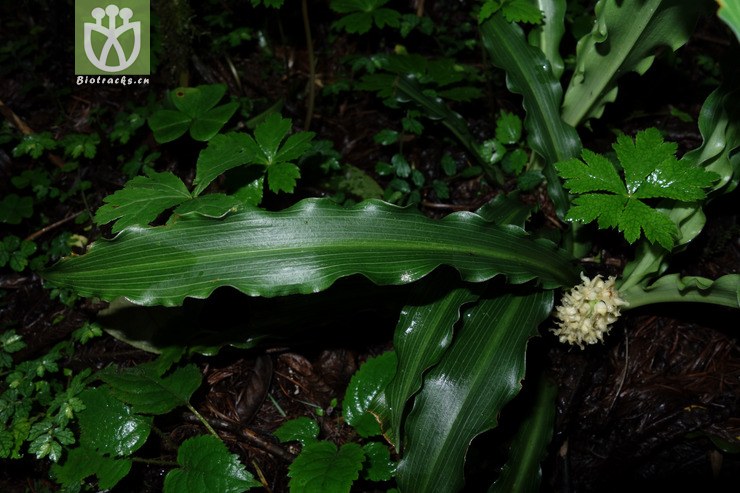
[
  {"x": 311, "y": 66},
  {"x": 203, "y": 420},
  {"x": 155, "y": 462}
]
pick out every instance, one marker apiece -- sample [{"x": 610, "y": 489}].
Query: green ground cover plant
[{"x": 479, "y": 285}]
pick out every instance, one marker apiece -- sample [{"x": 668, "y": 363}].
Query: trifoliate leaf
[
  {"x": 650, "y": 171},
  {"x": 366, "y": 383},
  {"x": 303, "y": 429},
  {"x": 194, "y": 101},
  {"x": 148, "y": 392},
  {"x": 110, "y": 426},
  {"x": 168, "y": 125},
  {"x": 83, "y": 462},
  {"x": 141, "y": 200},
  {"x": 76, "y": 145},
  {"x": 207, "y": 125},
  {"x": 508, "y": 128},
  {"x": 362, "y": 14},
  {"x": 14, "y": 208},
  {"x": 380, "y": 467},
  {"x": 320, "y": 467},
  {"x": 10, "y": 342},
  {"x": 207, "y": 466},
  {"x": 197, "y": 110},
  {"x": 34, "y": 145}
]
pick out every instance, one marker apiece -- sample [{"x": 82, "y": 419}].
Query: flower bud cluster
[{"x": 587, "y": 311}]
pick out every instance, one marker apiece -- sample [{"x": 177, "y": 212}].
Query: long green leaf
[
  {"x": 528, "y": 73},
  {"x": 724, "y": 291},
  {"x": 547, "y": 35},
  {"x": 304, "y": 249},
  {"x": 522, "y": 472},
  {"x": 626, "y": 37},
  {"x": 423, "y": 333},
  {"x": 464, "y": 393}
]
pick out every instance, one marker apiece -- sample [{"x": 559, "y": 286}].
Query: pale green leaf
[
  {"x": 625, "y": 38},
  {"x": 207, "y": 466},
  {"x": 729, "y": 12},
  {"x": 548, "y": 34},
  {"x": 724, "y": 291},
  {"x": 141, "y": 200},
  {"x": 320, "y": 467},
  {"x": 305, "y": 249}
]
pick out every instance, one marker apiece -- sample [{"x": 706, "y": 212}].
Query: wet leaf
[
  {"x": 147, "y": 392},
  {"x": 82, "y": 462},
  {"x": 207, "y": 466},
  {"x": 321, "y": 467},
  {"x": 304, "y": 430},
  {"x": 366, "y": 383},
  {"x": 110, "y": 426}
]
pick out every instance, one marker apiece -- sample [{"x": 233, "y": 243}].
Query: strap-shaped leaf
[
  {"x": 463, "y": 395},
  {"x": 423, "y": 334},
  {"x": 626, "y": 37},
  {"x": 528, "y": 73},
  {"x": 522, "y": 472},
  {"x": 305, "y": 249},
  {"x": 547, "y": 35}
]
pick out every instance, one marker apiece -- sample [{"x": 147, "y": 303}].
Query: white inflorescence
[{"x": 587, "y": 311}]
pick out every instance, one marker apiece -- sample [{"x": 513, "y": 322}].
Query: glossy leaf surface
[
  {"x": 110, "y": 426},
  {"x": 148, "y": 392},
  {"x": 305, "y": 249},
  {"x": 423, "y": 333},
  {"x": 321, "y": 467},
  {"x": 522, "y": 472},
  {"x": 462, "y": 396},
  {"x": 207, "y": 466}
]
